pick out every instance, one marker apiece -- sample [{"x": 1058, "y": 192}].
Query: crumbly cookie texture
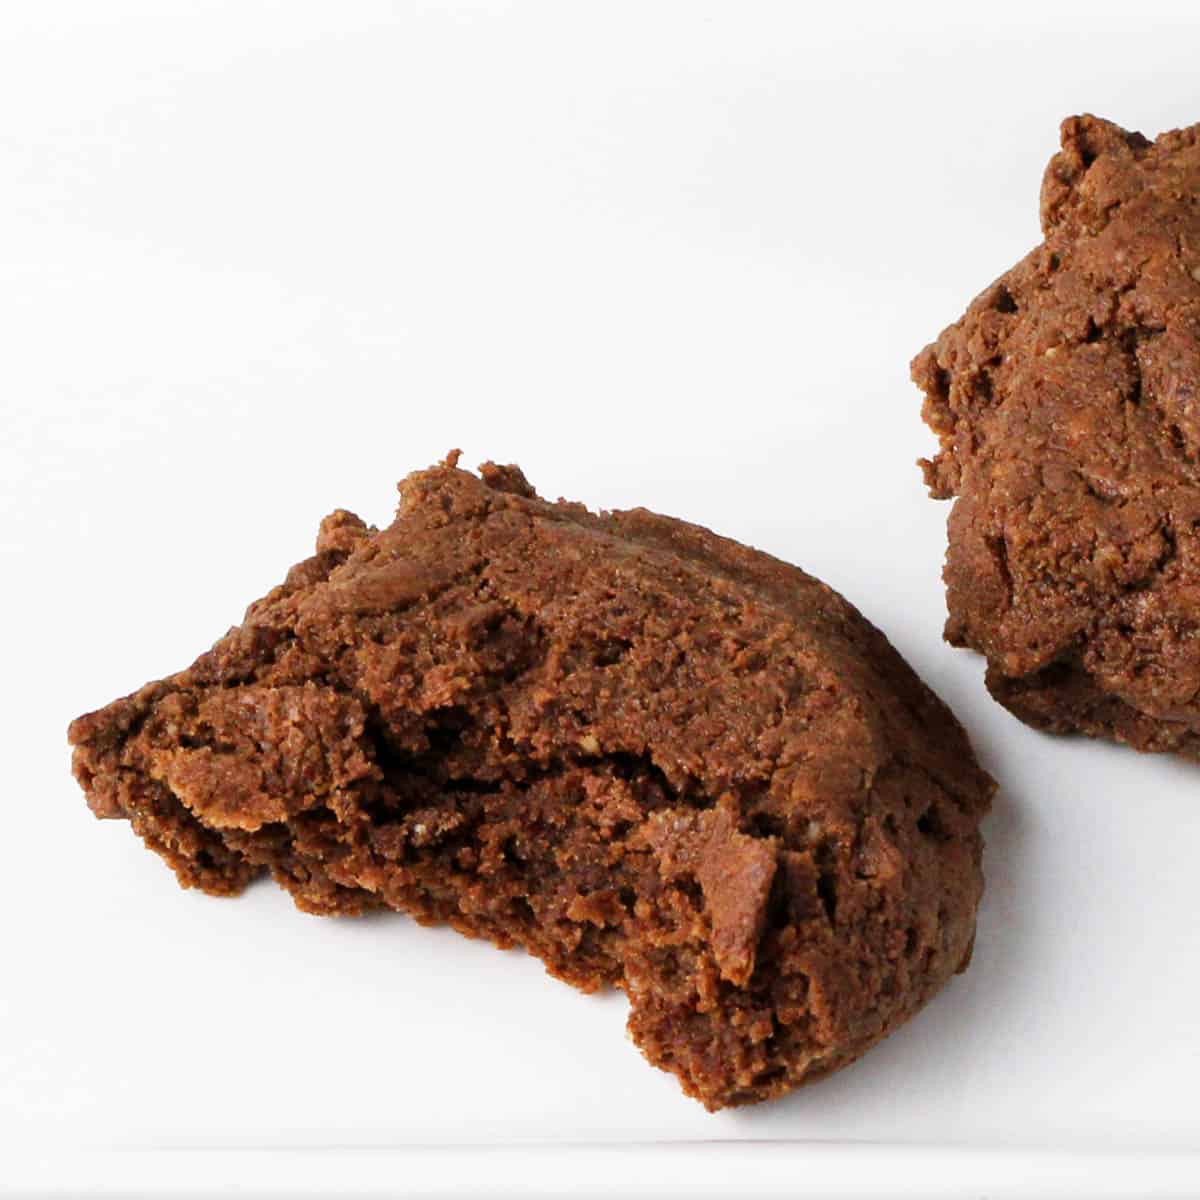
[
  {"x": 654, "y": 758},
  {"x": 1067, "y": 403}
]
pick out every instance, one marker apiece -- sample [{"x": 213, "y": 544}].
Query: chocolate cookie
[
  {"x": 1067, "y": 402},
  {"x": 654, "y": 758}
]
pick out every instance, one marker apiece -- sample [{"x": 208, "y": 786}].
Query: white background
[{"x": 258, "y": 261}]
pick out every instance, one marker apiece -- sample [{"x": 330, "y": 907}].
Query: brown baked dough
[
  {"x": 1067, "y": 402},
  {"x": 655, "y": 758}
]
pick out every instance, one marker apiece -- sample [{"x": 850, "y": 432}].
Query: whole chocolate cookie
[
  {"x": 1067, "y": 401},
  {"x": 653, "y": 757}
]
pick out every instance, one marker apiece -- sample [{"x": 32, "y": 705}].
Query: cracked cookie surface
[
  {"x": 1067, "y": 403},
  {"x": 654, "y": 758}
]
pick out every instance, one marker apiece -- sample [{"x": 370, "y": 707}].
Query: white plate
[{"x": 258, "y": 263}]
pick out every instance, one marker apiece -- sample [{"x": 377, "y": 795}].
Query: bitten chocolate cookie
[
  {"x": 1067, "y": 401},
  {"x": 654, "y": 758}
]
